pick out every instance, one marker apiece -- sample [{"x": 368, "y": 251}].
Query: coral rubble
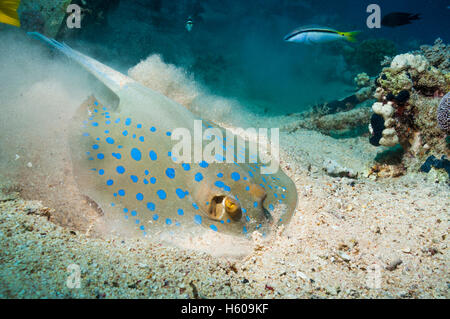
[{"x": 408, "y": 92}]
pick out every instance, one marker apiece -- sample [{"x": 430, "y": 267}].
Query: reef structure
[{"x": 410, "y": 108}]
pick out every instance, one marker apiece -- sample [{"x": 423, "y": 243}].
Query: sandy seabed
[{"x": 349, "y": 238}]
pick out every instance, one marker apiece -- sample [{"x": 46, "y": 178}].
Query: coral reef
[
  {"x": 336, "y": 124},
  {"x": 438, "y": 55},
  {"x": 443, "y": 113},
  {"x": 369, "y": 54},
  {"x": 432, "y": 161},
  {"x": 362, "y": 80},
  {"x": 408, "y": 92},
  {"x": 45, "y": 16}
]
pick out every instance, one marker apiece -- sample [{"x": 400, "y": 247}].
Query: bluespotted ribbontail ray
[{"x": 122, "y": 160}]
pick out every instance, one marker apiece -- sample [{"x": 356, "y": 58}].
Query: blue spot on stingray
[
  {"x": 109, "y": 182},
  {"x": 255, "y": 204},
  {"x": 146, "y": 172},
  {"x": 133, "y": 213},
  {"x": 97, "y": 139},
  {"x": 168, "y": 221},
  {"x": 228, "y": 220},
  {"x": 94, "y": 124},
  {"x": 244, "y": 230},
  {"x": 247, "y": 218},
  {"x": 85, "y": 134},
  {"x": 142, "y": 227},
  {"x": 117, "y": 155},
  {"x": 170, "y": 172},
  {"x": 195, "y": 205},
  {"x": 106, "y": 132},
  {"x": 219, "y": 184},
  {"x": 155, "y": 217},
  {"x": 95, "y": 103},
  {"x": 125, "y": 210},
  {"x": 108, "y": 121},
  {"x": 247, "y": 188},
  {"x": 235, "y": 176},
  {"x": 161, "y": 194},
  {"x": 109, "y": 140},
  {"x": 168, "y": 133},
  {"x": 186, "y": 167},
  {"x": 101, "y": 172},
  {"x": 153, "y": 180},
  {"x": 141, "y": 138},
  {"x": 203, "y": 164},
  {"x": 180, "y": 193},
  {"x": 134, "y": 135},
  {"x": 145, "y": 181},
  {"x": 139, "y": 196},
  {"x": 125, "y": 133},
  {"x": 136, "y": 154},
  {"x": 95, "y": 147},
  {"x": 198, "y": 177},
  {"x": 100, "y": 156},
  {"x": 120, "y": 169},
  {"x": 180, "y": 212},
  {"x": 226, "y": 188},
  {"x": 198, "y": 219},
  {"x": 117, "y": 121},
  {"x": 127, "y": 121},
  {"x": 220, "y": 175},
  {"x": 153, "y": 129},
  {"x": 139, "y": 126},
  {"x": 153, "y": 155},
  {"x": 121, "y": 192},
  {"x": 151, "y": 206},
  {"x": 271, "y": 207},
  {"x": 213, "y": 227}
]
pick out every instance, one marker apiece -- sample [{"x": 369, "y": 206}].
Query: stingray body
[{"x": 122, "y": 158}]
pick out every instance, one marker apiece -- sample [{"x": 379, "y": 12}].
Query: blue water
[{"x": 236, "y": 48}]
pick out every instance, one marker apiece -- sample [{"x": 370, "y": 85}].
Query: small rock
[
  {"x": 29, "y": 165},
  {"x": 302, "y": 276},
  {"x": 393, "y": 265},
  {"x": 344, "y": 256}
]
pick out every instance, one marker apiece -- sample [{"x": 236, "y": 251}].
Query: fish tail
[
  {"x": 8, "y": 12},
  {"x": 351, "y": 36},
  {"x": 415, "y": 17}
]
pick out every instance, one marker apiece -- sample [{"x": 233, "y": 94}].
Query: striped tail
[{"x": 351, "y": 36}]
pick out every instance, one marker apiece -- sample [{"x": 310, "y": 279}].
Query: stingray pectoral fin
[{"x": 113, "y": 80}]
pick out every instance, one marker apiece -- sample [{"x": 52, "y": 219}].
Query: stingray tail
[{"x": 112, "y": 79}]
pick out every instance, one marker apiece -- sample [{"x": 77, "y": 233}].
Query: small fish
[
  {"x": 8, "y": 12},
  {"x": 316, "y": 34},
  {"x": 189, "y": 24},
  {"x": 396, "y": 19}
]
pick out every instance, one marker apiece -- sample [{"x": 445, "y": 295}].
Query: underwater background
[
  {"x": 236, "y": 48},
  {"x": 363, "y": 143}
]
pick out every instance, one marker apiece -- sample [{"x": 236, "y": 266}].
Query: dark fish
[{"x": 396, "y": 19}]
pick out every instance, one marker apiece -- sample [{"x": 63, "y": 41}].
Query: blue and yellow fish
[{"x": 317, "y": 34}]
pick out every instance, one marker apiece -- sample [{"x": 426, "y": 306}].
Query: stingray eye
[{"x": 223, "y": 207}]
